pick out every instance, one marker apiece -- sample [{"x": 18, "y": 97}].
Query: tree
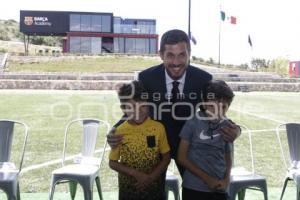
[{"x": 258, "y": 63}]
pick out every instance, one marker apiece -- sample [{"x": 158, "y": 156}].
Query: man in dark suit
[{"x": 175, "y": 89}]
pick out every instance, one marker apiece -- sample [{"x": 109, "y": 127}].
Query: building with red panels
[{"x": 92, "y": 33}]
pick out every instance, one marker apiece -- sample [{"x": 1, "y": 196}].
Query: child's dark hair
[
  {"x": 133, "y": 90},
  {"x": 218, "y": 90}
]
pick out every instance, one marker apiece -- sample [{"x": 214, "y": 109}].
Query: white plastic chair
[
  {"x": 292, "y": 131},
  {"x": 242, "y": 179},
  {"x": 86, "y": 167},
  {"x": 9, "y": 173},
  {"x": 172, "y": 183}
]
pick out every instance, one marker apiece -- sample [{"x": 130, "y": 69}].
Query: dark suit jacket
[{"x": 154, "y": 81}]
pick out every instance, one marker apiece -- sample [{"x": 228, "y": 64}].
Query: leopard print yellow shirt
[{"x": 140, "y": 149}]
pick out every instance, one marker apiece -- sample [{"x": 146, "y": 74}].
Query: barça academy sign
[
  {"x": 38, "y": 21},
  {"x": 44, "y": 22}
]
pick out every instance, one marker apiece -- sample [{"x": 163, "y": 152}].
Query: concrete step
[
  {"x": 61, "y": 84},
  {"x": 264, "y": 86},
  {"x": 67, "y": 76},
  {"x": 260, "y": 79},
  {"x": 129, "y": 76},
  {"x": 243, "y": 74},
  {"x": 221, "y": 72},
  {"x": 114, "y": 84}
]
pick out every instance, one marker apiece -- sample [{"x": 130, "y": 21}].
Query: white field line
[
  {"x": 262, "y": 130},
  {"x": 53, "y": 162},
  {"x": 258, "y": 116}
]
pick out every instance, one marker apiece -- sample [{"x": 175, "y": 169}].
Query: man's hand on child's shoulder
[
  {"x": 230, "y": 132},
  {"x": 113, "y": 139}
]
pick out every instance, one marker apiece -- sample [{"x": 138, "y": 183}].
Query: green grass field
[
  {"x": 47, "y": 112},
  {"x": 87, "y": 64}
]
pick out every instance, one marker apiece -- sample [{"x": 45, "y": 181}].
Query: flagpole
[
  {"x": 251, "y": 57},
  {"x": 219, "y": 60},
  {"x": 189, "y": 20},
  {"x": 251, "y": 45}
]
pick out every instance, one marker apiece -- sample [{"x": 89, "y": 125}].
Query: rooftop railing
[{"x": 135, "y": 29}]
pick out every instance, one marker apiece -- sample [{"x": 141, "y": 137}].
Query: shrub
[
  {"x": 10, "y": 22},
  {"x": 243, "y": 66},
  {"x": 211, "y": 60},
  {"x": 3, "y": 50},
  {"x": 4, "y": 35},
  {"x": 280, "y": 66},
  {"x": 259, "y": 63},
  {"x": 37, "y": 40}
]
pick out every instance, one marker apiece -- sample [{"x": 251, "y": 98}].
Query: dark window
[
  {"x": 96, "y": 23},
  {"x": 85, "y": 23},
  {"x": 74, "y": 22},
  {"x": 119, "y": 46},
  {"x": 75, "y": 44},
  {"x": 129, "y": 45},
  {"x": 117, "y": 24},
  {"x": 96, "y": 45},
  {"x": 90, "y": 23},
  {"x": 106, "y": 23},
  {"x": 153, "y": 48},
  {"x": 85, "y": 45}
]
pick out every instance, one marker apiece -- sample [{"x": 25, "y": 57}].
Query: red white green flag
[{"x": 231, "y": 19}]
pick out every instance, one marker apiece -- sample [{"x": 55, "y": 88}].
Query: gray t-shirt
[{"x": 207, "y": 149}]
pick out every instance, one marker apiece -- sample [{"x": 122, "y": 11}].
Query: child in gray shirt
[{"x": 203, "y": 152}]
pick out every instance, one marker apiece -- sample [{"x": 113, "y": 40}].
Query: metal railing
[{"x": 135, "y": 29}]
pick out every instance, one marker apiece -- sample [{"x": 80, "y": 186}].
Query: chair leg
[
  {"x": 99, "y": 188},
  {"x": 176, "y": 195},
  {"x": 232, "y": 192},
  {"x": 18, "y": 192},
  {"x": 51, "y": 193},
  {"x": 88, "y": 193},
  {"x": 242, "y": 194},
  {"x": 73, "y": 188},
  {"x": 298, "y": 193},
  {"x": 11, "y": 196},
  {"x": 265, "y": 191},
  {"x": 166, "y": 194},
  {"x": 284, "y": 186}
]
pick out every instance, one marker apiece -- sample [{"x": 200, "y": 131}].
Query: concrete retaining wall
[
  {"x": 264, "y": 86},
  {"x": 114, "y": 84},
  {"x": 130, "y": 76},
  {"x": 111, "y": 81},
  {"x": 69, "y": 76},
  {"x": 60, "y": 84}
]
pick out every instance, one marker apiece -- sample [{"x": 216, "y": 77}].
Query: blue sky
[{"x": 273, "y": 25}]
